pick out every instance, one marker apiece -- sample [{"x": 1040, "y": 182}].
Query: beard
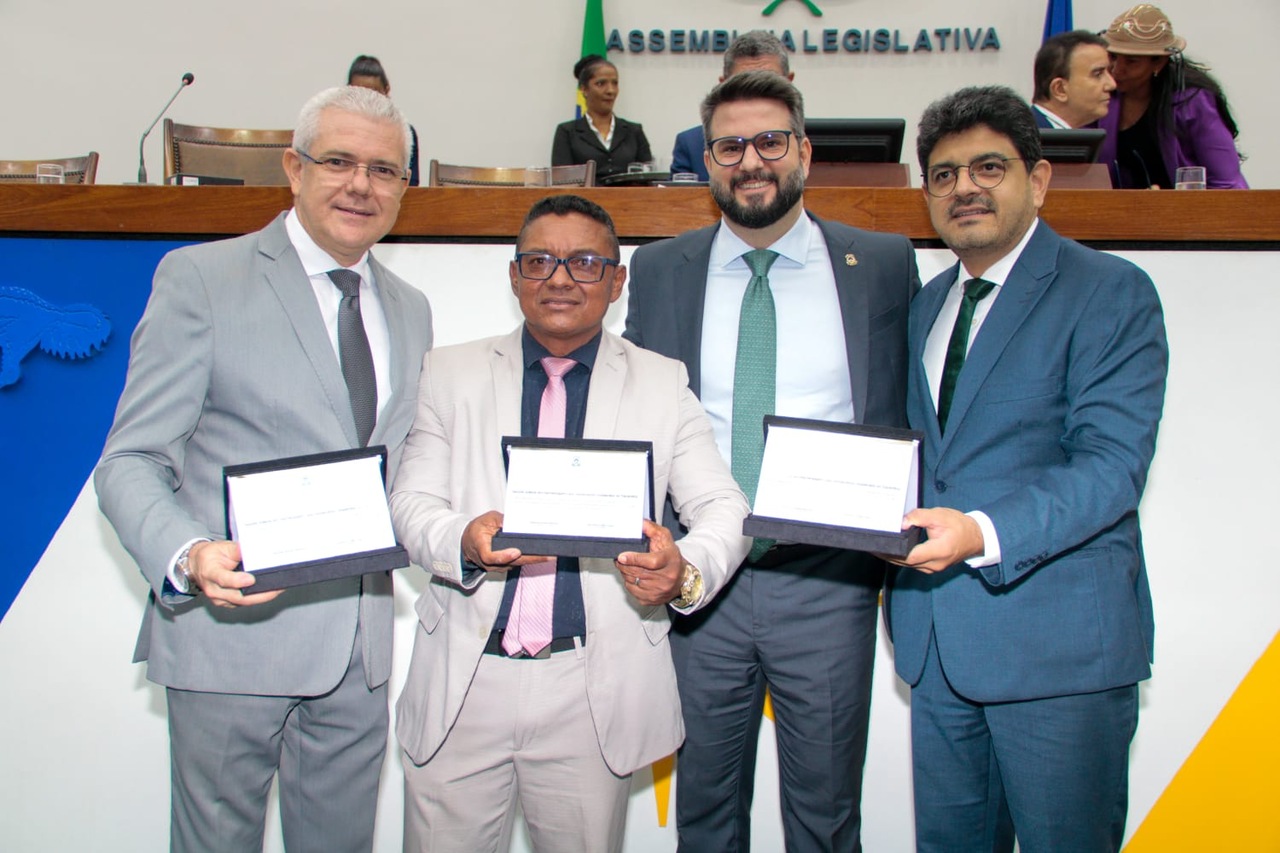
[{"x": 788, "y": 191}]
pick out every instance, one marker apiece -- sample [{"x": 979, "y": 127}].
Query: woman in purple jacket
[{"x": 1167, "y": 112}]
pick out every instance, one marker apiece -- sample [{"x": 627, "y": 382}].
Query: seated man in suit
[
  {"x": 1073, "y": 82},
  {"x": 757, "y": 50},
  {"x": 1024, "y": 623},
  {"x": 549, "y": 700},
  {"x": 292, "y": 340}
]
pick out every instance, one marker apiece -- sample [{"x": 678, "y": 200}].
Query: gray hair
[
  {"x": 349, "y": 99},
  {"x": 756, "y": 44}
]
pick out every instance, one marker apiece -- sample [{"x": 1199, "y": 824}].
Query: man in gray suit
[
  {"x": 241, "y": 357},
  {"x": 827, "y": 305},
  {"x": 494, "y": 713}
]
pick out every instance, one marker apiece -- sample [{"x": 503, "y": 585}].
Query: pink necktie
[{"x": 529, "y": 625}]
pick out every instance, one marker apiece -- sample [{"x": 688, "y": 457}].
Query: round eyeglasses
[
  {"x": 985, "y": 173},
  {"x": 341, "y": 167},
  {"x": 769, "y": 145},
  {"x": 584, "y": 269}
]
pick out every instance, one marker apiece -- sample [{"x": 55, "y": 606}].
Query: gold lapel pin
[{"x": 850, "y": 260}]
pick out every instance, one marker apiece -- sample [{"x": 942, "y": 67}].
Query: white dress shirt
[
  {"x": 1053, "y": 118},
  {"x": 813, "y": 363}
]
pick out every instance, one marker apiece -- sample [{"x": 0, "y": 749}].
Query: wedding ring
[{"x": 636, "y": 580}]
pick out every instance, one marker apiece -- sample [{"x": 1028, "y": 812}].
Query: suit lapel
[
  {"x": 688, "y": 302},
  {"x": 851, "y": 290},
  {"x": 508, "y": 381},
  {"x": 284, "y": 274},
  {"x": 588, "y": 135},
  {"x": 1032, "y": 274},
  {"x": 398, "y": 343},
  {"x": 604, "y": 399},
  {"x": 924, "y": 313}
]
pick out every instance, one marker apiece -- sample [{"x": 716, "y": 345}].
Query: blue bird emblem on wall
[{"x": 27, "y": 322}]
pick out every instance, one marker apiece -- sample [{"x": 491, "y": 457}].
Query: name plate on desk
[
  {"x": 838, "y": 485},
  {"x": 576, "y": 498},
  {"x": 312, "y": 518}
]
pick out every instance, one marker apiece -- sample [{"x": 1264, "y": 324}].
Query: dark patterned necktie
[{"x": 975, "y": 290}]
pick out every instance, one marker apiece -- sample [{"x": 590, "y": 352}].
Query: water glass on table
[
  {"x": 1189, "y": 178},
  {"x": 50, "y": 173}
]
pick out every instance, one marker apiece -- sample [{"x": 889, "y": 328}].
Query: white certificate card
[
  {"x": 576, "y": 492},
  {"x": 837, "y": 477},
  {"x": 302, "y": 513}
]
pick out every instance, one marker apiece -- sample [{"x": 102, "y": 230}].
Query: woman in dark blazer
[{"x": 600, "y": 135}]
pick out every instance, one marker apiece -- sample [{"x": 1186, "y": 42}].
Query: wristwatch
[
  {"x": 184, "y": 571},
  {"x": 690, "y": 587}
]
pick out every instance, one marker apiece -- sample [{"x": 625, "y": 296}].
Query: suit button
[{"x": 940, "y": 485}]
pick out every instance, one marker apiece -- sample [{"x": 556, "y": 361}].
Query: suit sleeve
[
  {"x": 680, "y": 161},
  {"x": 1115, "y": 387},
  {"x": 643, "y": 153},
  {"x": 561, "y": 149},
  {"x": 422, "y": 499},
  {"x": 706, "y": 498},
  {"x": 634, "y": 325},
  {"x": 142, "y": 465},
  {"x": 1209, "y": 142}
]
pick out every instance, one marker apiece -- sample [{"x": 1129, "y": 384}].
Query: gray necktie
[{"x": 353, "y": 351}]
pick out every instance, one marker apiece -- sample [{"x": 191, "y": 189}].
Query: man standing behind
[
  {"x": 549, "y": 701},
  {"x": 291, "y": 340},
  {"x": 1073, "y": 82},
  {"x": 1024, "y": 623},
  {"x": 776, "y": 311},
  {"x": 757, "y": 50}
]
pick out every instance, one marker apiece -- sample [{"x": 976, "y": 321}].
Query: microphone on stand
[{"x": 187, "y": 80}]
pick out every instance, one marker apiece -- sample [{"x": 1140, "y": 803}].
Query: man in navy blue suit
[
  {"x": 757, "y": 50},
  {"x": 1023, "y": 624},
  {"x": 1073, "y": 82}
]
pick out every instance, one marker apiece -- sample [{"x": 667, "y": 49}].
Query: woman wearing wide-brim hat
[{"x": 1167, "y": 112}]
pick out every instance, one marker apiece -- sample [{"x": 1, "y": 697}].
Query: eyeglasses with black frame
[
  {"x": 344, "y": 168},
  {"x": 769, "y": 145},
  {"x": 584, "y": 269},
  {"x": 985, "y": 172}
]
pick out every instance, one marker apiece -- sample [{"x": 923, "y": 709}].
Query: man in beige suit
[{"x": 488, "y": 718}]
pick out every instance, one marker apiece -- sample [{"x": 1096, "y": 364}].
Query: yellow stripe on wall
[{"x": 1226, "y": 794}]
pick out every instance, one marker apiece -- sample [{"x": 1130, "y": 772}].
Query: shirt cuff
[
  {"x": 990, "y": 542},
  {"x": 176, "y": 580}
]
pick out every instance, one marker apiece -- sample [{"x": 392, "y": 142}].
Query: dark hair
[
  {"x": 1053, "y": 59},
  {"x": 1174, "y": 85},
  {"x": 755, "y": 44},
  {"x": 751, "y": 86},
  {"x": 585, "y": 67},
  {"x": 368, "y": 66},
  {"x": 996, "y": 107},
  {"x": 563, "y": 205}
]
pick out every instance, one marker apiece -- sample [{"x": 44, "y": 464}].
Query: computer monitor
[
  {"x": 855, "y": 140},
  {"x": 1079, "y": 145}
]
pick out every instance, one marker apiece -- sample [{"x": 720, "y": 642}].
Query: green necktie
[
  {"x": 754, "y": 379},
  {"x": 975, "y": 289}
]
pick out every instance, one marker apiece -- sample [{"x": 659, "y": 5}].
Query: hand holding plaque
[
  {"x": 838, "y": 485},
  {"x": 576, "y": 498}
]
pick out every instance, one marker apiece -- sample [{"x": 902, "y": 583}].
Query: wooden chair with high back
[
  {"x": 446, "y": 175},
  {"x": 75, "y": 170},
  {"x": 254, "y": 156}
]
